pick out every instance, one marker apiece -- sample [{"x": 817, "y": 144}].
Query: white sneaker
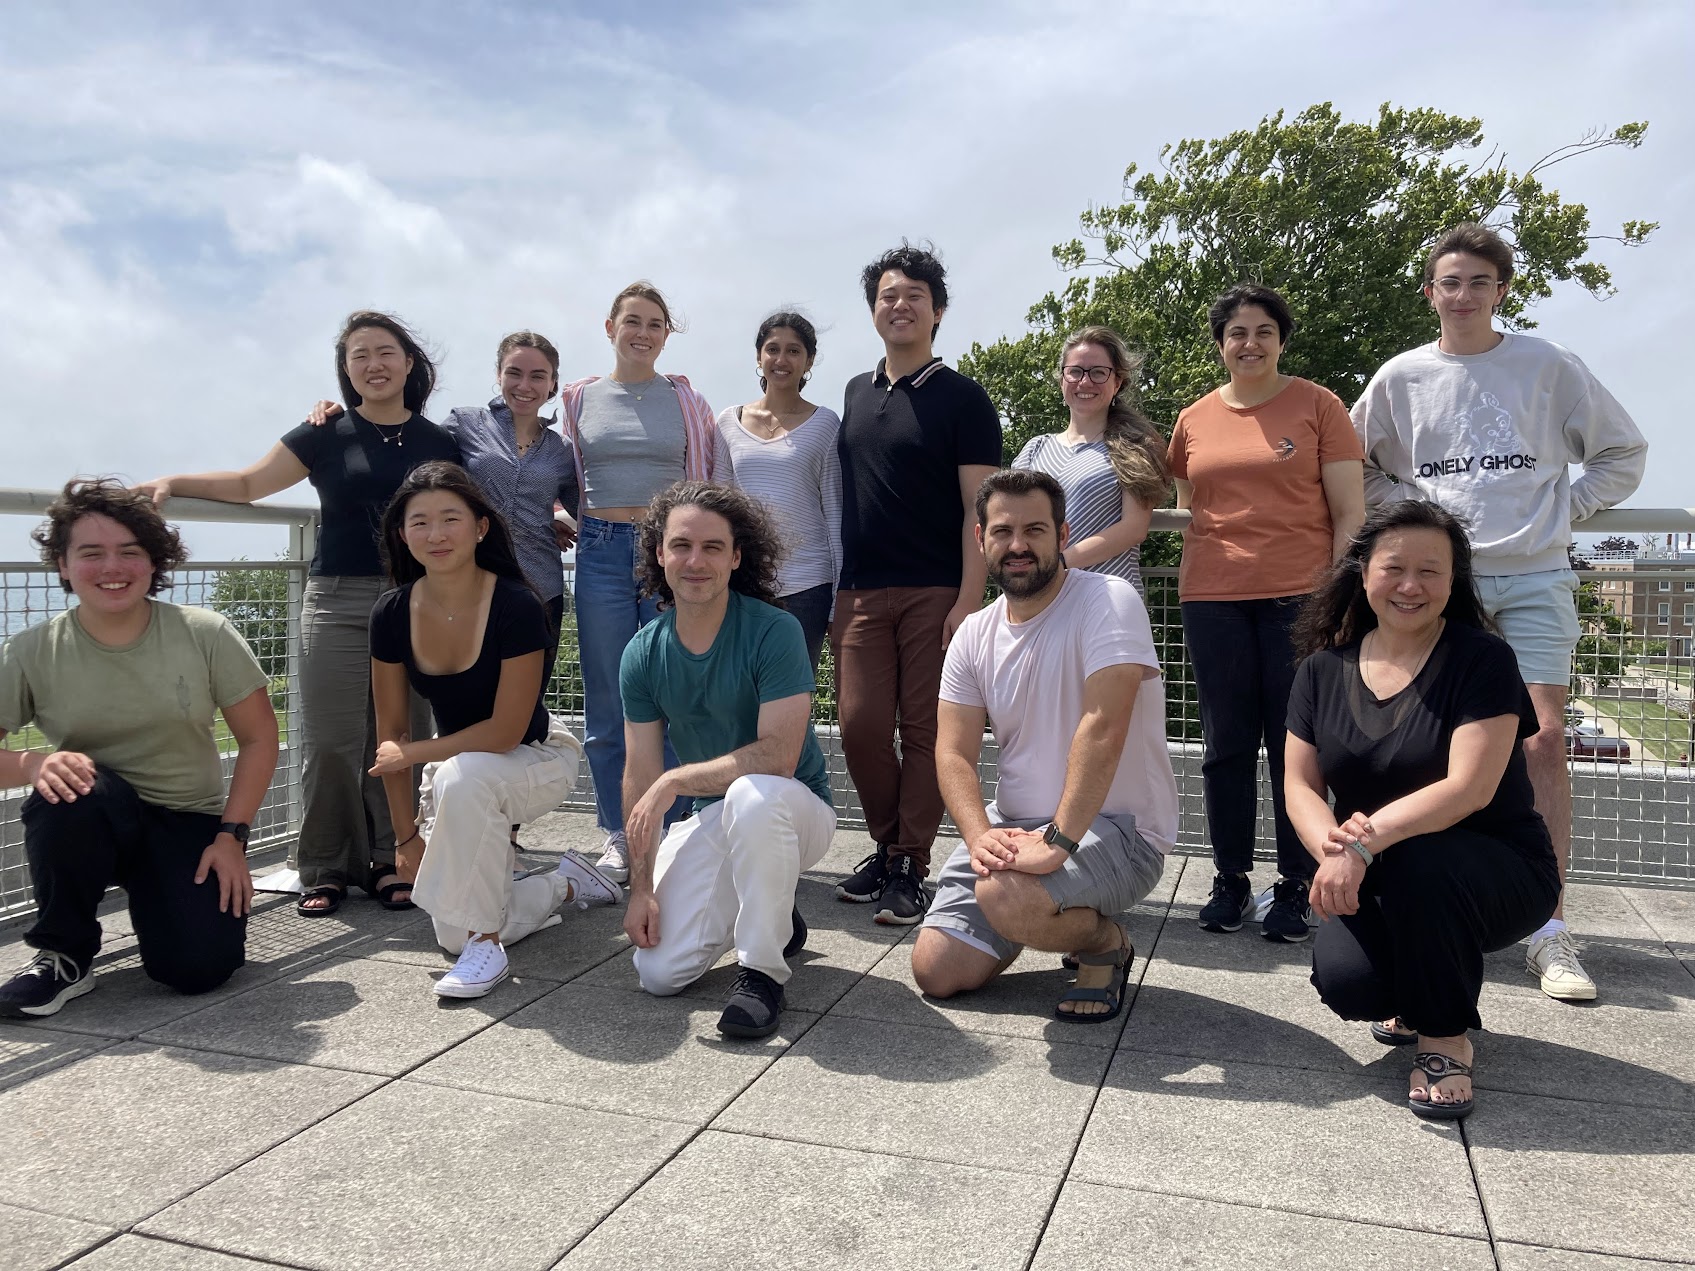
[
  {"x": 481, "y": 966},
  {"x": 590, "y": 885},
  {"x": 1554, "y": 959},
  {"x": 615, "y": 858}
]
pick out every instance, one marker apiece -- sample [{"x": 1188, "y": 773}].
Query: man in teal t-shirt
[{"x": 726, "y": 673}]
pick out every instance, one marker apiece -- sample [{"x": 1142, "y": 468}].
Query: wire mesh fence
[{"x": 1629, "y": 729}]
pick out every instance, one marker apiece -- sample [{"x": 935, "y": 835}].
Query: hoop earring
[{"x": 806, "y": 379}]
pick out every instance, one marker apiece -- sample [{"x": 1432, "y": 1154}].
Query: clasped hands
[
  {"x": 1336, "y": 885},
  {"x": 1002, "y": 847}
]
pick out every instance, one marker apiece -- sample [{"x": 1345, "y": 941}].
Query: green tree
[{"x": 256, "y": 603}]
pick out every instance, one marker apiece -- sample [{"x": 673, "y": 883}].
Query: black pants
[
  {"x": 1430, "y": 908},
  {"x": 1244, "y": 666},
  {"x": 76, "y": 850}
]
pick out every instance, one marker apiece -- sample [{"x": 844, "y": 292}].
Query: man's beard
[{"x": 1021, "y": 585}]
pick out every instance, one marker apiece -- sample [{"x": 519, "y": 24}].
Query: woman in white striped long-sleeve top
[
  {"x": 781, "y": 449},
  {"x": 1110, "y": 460}
]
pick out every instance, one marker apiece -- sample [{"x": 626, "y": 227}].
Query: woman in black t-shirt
[
  {"x": 466, "y": 631},
  {"x": 1411, "y": 713},
  {"x": 355, "y": 466}
]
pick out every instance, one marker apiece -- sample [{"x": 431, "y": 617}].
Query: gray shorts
[{"x": 1112, "y": 869}]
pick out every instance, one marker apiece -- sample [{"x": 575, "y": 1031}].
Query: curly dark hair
[
  {"x": 921, "y": 264},
  {"x": 494, "y": 553},
  {"x": 753, "y": 531},
  {"x": 1337, "y": 613},
  {"x": 107, "y": 496}
]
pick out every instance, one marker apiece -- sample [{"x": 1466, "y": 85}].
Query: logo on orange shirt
[{"x": 1286, "y": 450}]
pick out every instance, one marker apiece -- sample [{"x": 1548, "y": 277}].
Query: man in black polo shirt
[{"x": 917, "y": 440}]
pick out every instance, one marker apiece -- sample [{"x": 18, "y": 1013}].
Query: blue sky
[{"x": 192, "y": 195}]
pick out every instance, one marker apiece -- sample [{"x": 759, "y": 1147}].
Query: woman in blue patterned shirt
[{"x": 1110, "y": 460}]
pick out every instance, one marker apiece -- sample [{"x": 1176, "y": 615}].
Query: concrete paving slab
[
  {"x": 1020, "y": 1003},
  {"x": 612, "y": 1049},
  {"x": 584, "y": 938},
  {"x": 815, "y": 1208},
  {"x": 129, "y": 1130},
  {"x": 29, "y": 1049},
  {"x": 1595, "y": 1176},
  {"x": 1601, "y": 1052},
  {"x": 1107, "y": 1228},
  {"x": 1511, "y": 1257},
  {"x": 1641, "y": 973},
  {"x": 139, "y": 1253},
  {"x": 428, "y": 1177},
  {"x": 1671, "y": 914},
  {"x": 1240, "y": 1133},
  {"x": 353, "y": 1013},
  {"x": 1597, "y": 911},
  {"x": 933, "y": 1093},
  {"x": 39, "y": 1242}
]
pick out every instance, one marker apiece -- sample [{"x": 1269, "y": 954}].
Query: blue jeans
[
  {"x": 1244, "y": 664},
  {"x": 811, "y": 609},
  {"x": 609, "y": 612}
]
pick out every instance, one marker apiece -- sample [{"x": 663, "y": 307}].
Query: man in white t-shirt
[
  {"x": 1485, "y": 423},
  {"x": 1062, "y": 668}
]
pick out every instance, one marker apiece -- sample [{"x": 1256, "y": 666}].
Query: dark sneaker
[
  {"x": 797, "y": 941},
  {"x": 1232, "y": 900},
  {"x": 904, "y": 899},
  {"x": 865, "y": 884},
  {"x": 44, "y": 986},
  {"x": 754, "y": 1005},
  {"x": 1289, "y": 914}
]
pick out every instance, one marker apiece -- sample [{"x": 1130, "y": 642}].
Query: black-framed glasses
[{"x": 1095, "y": 374}]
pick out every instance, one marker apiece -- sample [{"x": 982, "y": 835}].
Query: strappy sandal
[
  {"x": 1437, "y": 1066},
  {"x": 333, "y": 891},
  {"x": 1394, "y": 1036},
  {"x": 1122, "y": 958},
  {"x": 384, "y": 895}
]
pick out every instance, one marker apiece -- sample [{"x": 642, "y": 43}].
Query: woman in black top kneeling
[
  {"x": 1411, "y": 712},
  {"x": 465, "y": 629}
]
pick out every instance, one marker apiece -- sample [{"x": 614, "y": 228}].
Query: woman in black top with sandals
[{"x": 1412, "y": 714}]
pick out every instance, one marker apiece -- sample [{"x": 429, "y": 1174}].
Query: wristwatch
[
  {"x": 1051, "y": 834},
  {"x": 237, "y": 830}
]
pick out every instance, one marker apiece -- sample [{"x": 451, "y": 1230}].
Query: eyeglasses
[
  {"x": 1095, "y": 374},
  {"x": 1479, "y": 286}
]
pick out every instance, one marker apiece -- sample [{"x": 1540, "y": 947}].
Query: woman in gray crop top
[{"x": 633, "y": 433}]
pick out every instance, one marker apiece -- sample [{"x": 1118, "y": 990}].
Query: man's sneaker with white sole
[
  {"x": 481, "y": 966},
  {"x": 1553, "y": 960}
]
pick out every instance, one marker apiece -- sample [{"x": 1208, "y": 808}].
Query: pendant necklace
[{"x": 400, "y": 431}]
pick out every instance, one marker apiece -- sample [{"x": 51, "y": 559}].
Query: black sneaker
[
  {"x": 865, "y": 884},
  {"x": 44, "y": 986},
  {"x": 904, "y": 899},
  {"x": 1287, "y": 918},
  {"x": 797, "y": 941},
  {"x": 1231, "y": 901},
  {"x": 754, "y": 1005}
]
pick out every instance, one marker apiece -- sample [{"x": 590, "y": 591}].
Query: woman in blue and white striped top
[
  {"x": 1109, "y": 460},
  {"x": 781, "y": 449}
]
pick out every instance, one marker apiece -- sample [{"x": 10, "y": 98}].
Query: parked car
[{"x": 1586, "y": 741}]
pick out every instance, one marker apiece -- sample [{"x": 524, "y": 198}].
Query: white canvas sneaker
[
  {"x": 615, "y": 858},
  {"x": 481, "y": 966},
  {"x": 590, "y": 885},
  {"x": 1553, "y": 959}
]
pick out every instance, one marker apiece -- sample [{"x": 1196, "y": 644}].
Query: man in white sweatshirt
[{"x": 1485, "y": 423}]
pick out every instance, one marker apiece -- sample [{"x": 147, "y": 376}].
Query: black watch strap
[
  {"x": 237, "y": 830},
  {"x": 1052, "y": 835}
]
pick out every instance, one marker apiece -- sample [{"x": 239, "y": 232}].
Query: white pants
[
  {"x": 466, "y": 808},
  {"x": 727, "y": 875}
]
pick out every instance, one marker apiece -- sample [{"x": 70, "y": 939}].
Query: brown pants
[{"x": 888, "y": 647}]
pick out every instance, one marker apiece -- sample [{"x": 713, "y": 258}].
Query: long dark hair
[
  {"x": 420, "y": 380},
  {"x": 752, "y": 532},
  {"x": 1337, "y": 613},
  {"x": 494, "y": 553}
]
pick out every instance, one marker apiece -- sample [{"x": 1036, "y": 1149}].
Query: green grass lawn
[
  {"x": 1664, "y": 734},
  {"x": 30, "y": 738}
]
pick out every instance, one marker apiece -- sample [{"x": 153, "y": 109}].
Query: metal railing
[{"x": 1633, "y": 820}]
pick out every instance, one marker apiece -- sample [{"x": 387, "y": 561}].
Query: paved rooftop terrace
[{"x": 325, "y": 1110}]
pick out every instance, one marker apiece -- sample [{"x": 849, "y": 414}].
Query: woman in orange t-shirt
[{"x": 1272, "y": 473}]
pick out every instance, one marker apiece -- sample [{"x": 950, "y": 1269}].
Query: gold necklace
[{"x": 1417, "y": 667}]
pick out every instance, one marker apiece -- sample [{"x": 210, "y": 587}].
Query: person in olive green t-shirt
[{"x": 130, "y": 789}]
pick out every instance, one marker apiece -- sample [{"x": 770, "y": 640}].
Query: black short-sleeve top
[
  {"x": 1374, "y": 751},
  {"x": 356, "y": 466},
  {"x": 517, "y": 624},
  {"x": 901, "y": 446}
]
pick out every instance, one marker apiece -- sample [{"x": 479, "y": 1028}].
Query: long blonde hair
[{"x": 1133, "y": 445}]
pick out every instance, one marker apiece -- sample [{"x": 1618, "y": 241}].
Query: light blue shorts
[{"x": 1537, "y": 615}]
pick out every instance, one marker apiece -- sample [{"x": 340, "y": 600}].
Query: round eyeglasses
[{"x": 1094, "y": 374}]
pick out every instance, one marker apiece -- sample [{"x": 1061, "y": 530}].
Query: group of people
[{"x": 1420, "y": 795}]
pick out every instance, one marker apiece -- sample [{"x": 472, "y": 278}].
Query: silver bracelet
[{"x": 1365, "y": 852}]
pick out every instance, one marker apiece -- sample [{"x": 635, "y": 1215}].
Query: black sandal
[
  {"x": 384, "y": 895},
  {"x": 336, "y": 893},
  {"x": 1437, "y": 1066},
  {"x": 1122, "y": 958},
  {"x": 1393, "y": 1036}
]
